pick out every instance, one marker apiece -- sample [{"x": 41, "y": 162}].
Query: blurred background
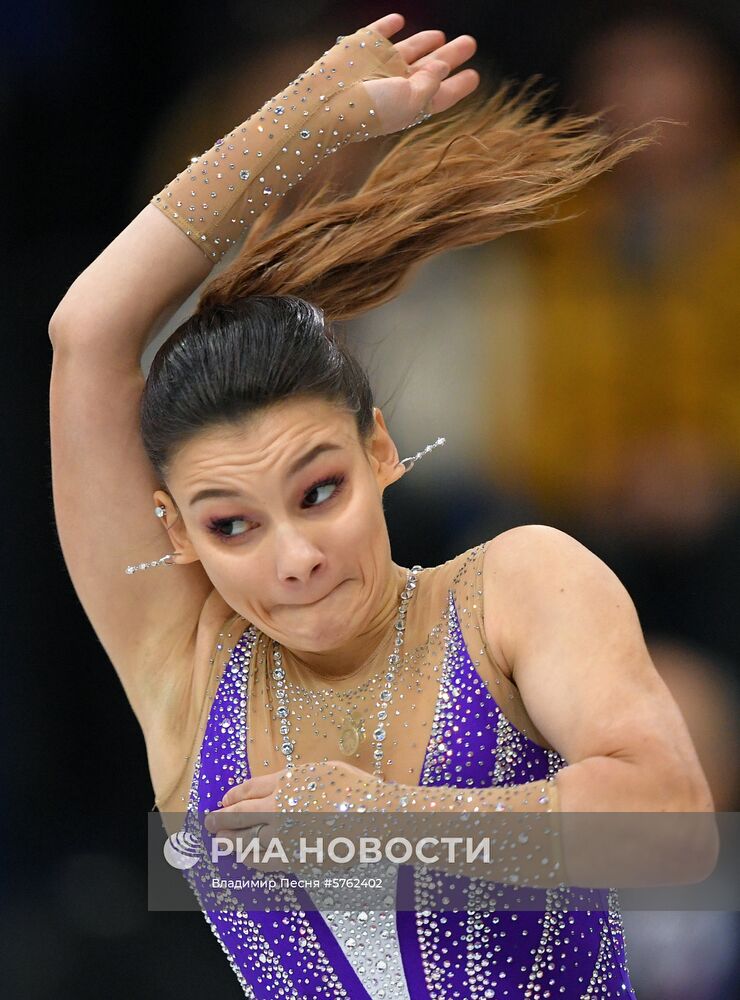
[{"x": 585, "y": 376}]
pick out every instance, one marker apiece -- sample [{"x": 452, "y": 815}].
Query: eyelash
[{"x": 220, "y": 522}]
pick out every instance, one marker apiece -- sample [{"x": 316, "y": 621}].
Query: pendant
[{"x": 350, "y": 736}]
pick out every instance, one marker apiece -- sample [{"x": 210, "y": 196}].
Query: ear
[
  {"x": 383, "y": 454},
  {"x": 173, "y": 523}
]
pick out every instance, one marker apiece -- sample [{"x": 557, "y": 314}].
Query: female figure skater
[{"x": 275, "y": 656}]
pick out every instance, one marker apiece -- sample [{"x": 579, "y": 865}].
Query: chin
[
  {"x": 317, "y": 631},
  {"x": 320, "y": 636}
]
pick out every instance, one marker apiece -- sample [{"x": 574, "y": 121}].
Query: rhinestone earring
[
  {"x": 167, "y": 560},
  {"x": 409, "y": 463}
]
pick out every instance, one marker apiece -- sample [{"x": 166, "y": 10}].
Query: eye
[
  {"x": 220, "y": 523},
  {"x": 318, "y": 492},
  {"x": 316, "y": 496}
]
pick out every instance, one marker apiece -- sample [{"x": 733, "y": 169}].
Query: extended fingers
[
  {"x": 429, "y": 72},
  {"x": 388, "y": 25},
  {"x": 418, "y": 45},
  {"x": 426, "y": 45},
  {"x": 454, "y": 89},
  {"x": 454, "y": 53}
]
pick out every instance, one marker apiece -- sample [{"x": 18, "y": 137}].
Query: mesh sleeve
[{"x": 222, "y": 191}]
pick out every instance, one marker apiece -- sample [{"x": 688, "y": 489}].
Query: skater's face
[{"x": 285, "y": 514}]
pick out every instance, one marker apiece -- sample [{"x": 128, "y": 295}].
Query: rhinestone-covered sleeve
[
  {"x": 336, "y": 787},
  {"x": 531, "y": 855},
  {"x": 222, "y": 191}
]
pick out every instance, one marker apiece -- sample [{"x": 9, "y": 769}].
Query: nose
[{"x": 296, "y": 557}]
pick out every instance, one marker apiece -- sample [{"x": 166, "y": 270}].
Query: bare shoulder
[
  {"x": 532, "y": 570},
  {"x": 538, "y": 541}
]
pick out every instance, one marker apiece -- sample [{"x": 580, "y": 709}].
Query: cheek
[
  {"x": 241, "y": 583},
  {"x": 233, "y": 577},
  {"x": 362, "y": 524}
]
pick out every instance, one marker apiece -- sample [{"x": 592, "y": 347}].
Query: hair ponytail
[{"x": 493, "y": 165}]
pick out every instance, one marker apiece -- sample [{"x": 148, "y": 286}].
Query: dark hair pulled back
[
  {"x": 229, "y": 361},
  {"x": 492, "y": 165}
]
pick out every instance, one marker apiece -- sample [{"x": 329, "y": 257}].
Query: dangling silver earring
[
  {"x": 167, "y": 560},
  {"x": 409, "y": 463}
]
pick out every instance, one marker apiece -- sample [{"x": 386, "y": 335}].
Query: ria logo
[{"x": 182, "y": 850}]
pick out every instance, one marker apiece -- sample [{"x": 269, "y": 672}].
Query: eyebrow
[{"x": 300, "y": 463}]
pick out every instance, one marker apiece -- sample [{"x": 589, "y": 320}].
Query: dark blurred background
[{"x": 587, "y": 377}]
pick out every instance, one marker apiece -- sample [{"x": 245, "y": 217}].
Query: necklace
[
  {"x": 345, "y": 703},
  {"x": 353, "y": 730}
]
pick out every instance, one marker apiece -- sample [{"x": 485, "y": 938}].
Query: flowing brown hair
[{"x": 493, "y": 165}]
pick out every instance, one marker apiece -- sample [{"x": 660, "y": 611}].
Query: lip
[{"x": 310, "y": 604}]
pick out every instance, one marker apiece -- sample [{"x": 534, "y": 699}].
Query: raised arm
[
  {"x": 120, "y": 301},
  {"x": 102, "y": 480}
]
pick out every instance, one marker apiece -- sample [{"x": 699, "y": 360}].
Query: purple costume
[{"x": 424, "y": 955}]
